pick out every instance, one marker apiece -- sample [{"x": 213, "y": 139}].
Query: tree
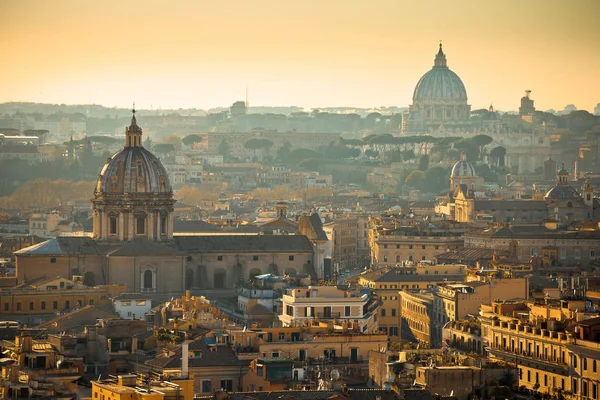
[
  {"x": 191, "y": 139},
  {"x": 89, "y": 279},
  {"x": 415, "y": 179},
  {"x": 309, "y": 164},
  {"x": 436, "y": 180},
  {"x": 497, "y": 154},
  {"x": 424, "y": 162},
  {"x": 297, "y": 155},
  {"x": 173, "y": 139},
  {"x": 469, "y": 148},
  {"x": 163, "y": 148},
  {"x": 223, "y": 148},
  {"x": 371, "y": 153},
  {"x": 481, "y": 141},
  {"x": 284, "y": 151}
]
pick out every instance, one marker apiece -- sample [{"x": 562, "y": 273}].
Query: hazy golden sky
[{"x": 310, "y": 53}]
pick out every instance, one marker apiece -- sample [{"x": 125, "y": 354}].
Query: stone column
[
  {"x": 130, "y": 226},
  {"x": 170, "y": 225},
  {"x": 103, "y": 224},
  {"x": 121, "y": 226},
  {"x": 151, "y": 225}
]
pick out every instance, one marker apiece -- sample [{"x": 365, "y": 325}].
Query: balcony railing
[{"x": 328, "y": 315}]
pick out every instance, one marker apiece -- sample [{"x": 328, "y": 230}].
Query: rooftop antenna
[{"x": 247, "y": 96}]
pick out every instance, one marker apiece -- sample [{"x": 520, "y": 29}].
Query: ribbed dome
[
  {"x": 133, "y": 169},
  {"x": 562, "y": 192},
  {"x": 440, "y": 83},
  {"x": 463, "y": 168}
]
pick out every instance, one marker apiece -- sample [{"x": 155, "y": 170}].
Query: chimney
[{"x": 185, "y": 357}]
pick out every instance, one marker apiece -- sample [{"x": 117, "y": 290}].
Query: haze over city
[
  {"x": 308, "y": 200},
  {"x": 190, "y": 54}
]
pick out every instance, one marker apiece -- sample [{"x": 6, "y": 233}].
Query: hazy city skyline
[{"x": 310, "y": 54}]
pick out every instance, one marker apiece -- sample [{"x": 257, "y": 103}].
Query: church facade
[{"x": 133, "y": 243}]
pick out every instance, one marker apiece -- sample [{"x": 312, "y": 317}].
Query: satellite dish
[{"x": 335, "y": 375}]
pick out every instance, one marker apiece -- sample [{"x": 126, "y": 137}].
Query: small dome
[
  {"x": 562, "y": 192},
  {"x": 440, "y": 83},
  {"x": 463, "y": 168}
]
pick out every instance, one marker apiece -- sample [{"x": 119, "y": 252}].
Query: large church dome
[
  {"x": 440, "y": 83},
  {"x": 133, "y": 169}
]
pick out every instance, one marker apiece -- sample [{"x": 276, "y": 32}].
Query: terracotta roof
[{"x": 218, "y": 356}]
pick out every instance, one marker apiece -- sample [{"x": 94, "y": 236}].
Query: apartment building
[
  {"x": 41, "y": 300},
  {"x": 553, "y": 357},
  {"x": 416, "y": 310},
  {"x": 457, "y": 301},
  {"x": 342, "y": 234},
  {"x": 387, "y": 283},
  {"x": 332, "y": 305}
]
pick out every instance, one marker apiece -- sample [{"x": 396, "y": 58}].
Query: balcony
[
  {"x": 542, "y": 363},
  {"x": 328, "y": 315}
]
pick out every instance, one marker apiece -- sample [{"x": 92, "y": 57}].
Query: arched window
[{"x": 148, "y": 280}]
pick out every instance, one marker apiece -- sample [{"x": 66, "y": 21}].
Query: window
[
  {"x": 148, "y": 279},
  {"x": 91, "y": 302},
  {"x": 55, "y": 305},
  {"x": 397, "y": 246},
  {"x": 563, "y": 253},
  {"x": 347, "y": 311},
  {"x": 291, "y": 258},
  {"x": 18, "y": 304},
  {"x": 533, "y": 251},
  {"x": 259, "y": 370},
  {"x": 254, "y": 258},
  {"x": 383, "y": 312},
  {"x": 281, "y": 336},
  {"x": 67, "y": 304},
  {"x": 385, "y": 246},
  {"x": 577, "y": 254},
  {"x": 584, "y": 363},
  {"x": 163, "y": 225},
  {"x": 227, "y": 384},
  {"x": 393, "y": 331},
  {"x": 385, "y": 258},
  {"x": 53, "y": 260},
  {"x": 140, "y": 223},
  {"x": 423, "y": 247},
  {"x": 6, "y": 306},
  {"x": 393, "y": 312},
  {"x": 592, "y": 254},
  {"x": 275, "y": 354},
  {"x": 206, "y": 386},
  {"x": 219, "y": 258},
  {"x": 410, "y": 246},
  {"x": 112, "y": 225},
  {"x": 31, "y": 306}
]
